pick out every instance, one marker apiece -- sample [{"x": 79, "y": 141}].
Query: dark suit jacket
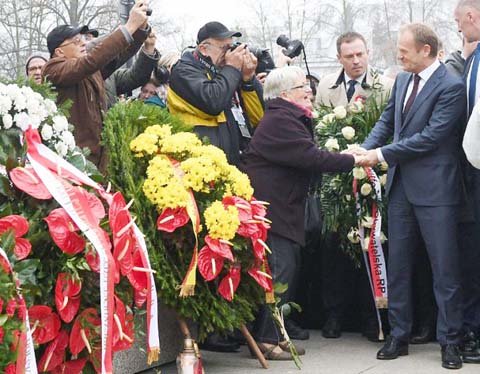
[
  {"x": 280, "y": 161},
  {"x": 426, "y": 144}
]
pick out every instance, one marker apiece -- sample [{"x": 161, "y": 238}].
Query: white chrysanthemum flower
[
  {"x": 61, "y": 149},
  {"x": 353, "y": 236},
  {"x": 5, "y": 104},
  {"x": 367, "y": 222},
  {"x": 383, "y": 166},
  {"x": 68, "y": 139},
  {"x": 332, "y": 144},
  {"x": 383, "y": 179},
  {"x": 47, "y": 132},
  {"x": 348, "y": 132},
  {"x": 7, "y": 121},
  {"x": 366, "y": 189},
  {"x": 22, "y": 120},
  {"x": 359, "y": 173},
  {"x": 357, "y": 106},
  {"x": 50, "y": 106},
  {"x": 60, "y": 123},
  {"x": 328, "y": 118},
  {"x": 340, "y": 112}
]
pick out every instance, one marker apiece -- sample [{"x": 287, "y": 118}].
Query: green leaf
[{"x": 26, "y": 270}]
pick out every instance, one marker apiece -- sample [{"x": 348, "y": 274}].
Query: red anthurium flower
[
  {"x": 84, "y": 330},
  {"x": 262, "y": 276},
  {"x": 20, "y": 226},
  {"x": 5, "y": 266},
  {"x": 62, "y": 230},
  {"x": 229, "y": 283},
  {"x": 44, "y": 324},
  {"x": 95, "y": 204},
  {"x": 55, "y": 353},
  {"x": 220, "y": 247},
  {"x": 67, "y": 296},
  {"x": 124, "y": 239},
  {"x": 258, "y": 207},
  {"x": 71, "y": 367},
  {"x": 210, "y": 264},
  {"x": 259, "y": 248},
  {"x": 138, "y": 277},
  {"x": 171, "y": 219},
  {"x": 140, "y": 297},
  {"x": 93, "y": 259},
  {"x": 122, "y": 327},
  {"x": 27, "y": 180},
  {"x": 243, "y": 207}
]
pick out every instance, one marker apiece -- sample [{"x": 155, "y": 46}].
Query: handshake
[{"x": 363, "y": 157}]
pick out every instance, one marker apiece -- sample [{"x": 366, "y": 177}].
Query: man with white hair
[{"x": 467, "y": 16}]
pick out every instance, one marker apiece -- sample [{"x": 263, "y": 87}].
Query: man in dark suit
[
  {"x": 467, "y": 15},
  {"x": 423, "y": 187}
]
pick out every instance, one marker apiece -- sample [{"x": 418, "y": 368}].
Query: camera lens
[
  {"x": 149, "y": 12},
  {"x": 283, "y": 41}
]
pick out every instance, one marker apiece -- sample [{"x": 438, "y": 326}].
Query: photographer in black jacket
[{"x": 214, "y": 90}]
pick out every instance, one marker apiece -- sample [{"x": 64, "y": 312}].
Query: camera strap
[
  {"x": 239, "y": 117},
  {"x": 205, "y": 61}
]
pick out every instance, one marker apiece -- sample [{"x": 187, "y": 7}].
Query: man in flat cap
[
  {"x": 79, "y": 76},
  {"x": 214, "y": 90}
]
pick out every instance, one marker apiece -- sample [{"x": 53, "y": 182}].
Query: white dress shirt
[
  {"x": 425, "y": 75},
  {"x": 348, "y": 79}
]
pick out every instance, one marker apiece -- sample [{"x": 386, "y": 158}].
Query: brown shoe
[
  {"x": 274, "y": 352},
  {"x": 284, "y": 346}
]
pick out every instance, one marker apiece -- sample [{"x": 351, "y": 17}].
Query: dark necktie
[
  {"x": 413, "y": 95},
  {"x": 351, "y": 89},
  {"x": 473, "y": 79}
]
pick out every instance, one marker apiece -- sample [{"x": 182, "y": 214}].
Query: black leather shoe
[
  {"x": 218, "y": 343},
  {"x": 451, "y": 357},
  {"x": 424, "y": 335},
  {"x": 392, "y": 349},
  {"x": 469, "y": 349},
  {"x": 331, "y": 329},
  {"x": 294, "y": 331}
]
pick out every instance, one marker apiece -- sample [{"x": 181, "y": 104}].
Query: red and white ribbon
[
  {"x": 26, "y": 359},
  {"x": 374, "y": 257}
]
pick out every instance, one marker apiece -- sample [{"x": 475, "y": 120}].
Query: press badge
[{"x": 242, "y": 125}]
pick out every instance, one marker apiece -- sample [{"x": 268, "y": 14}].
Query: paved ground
[{"x": 351, "y": 354}]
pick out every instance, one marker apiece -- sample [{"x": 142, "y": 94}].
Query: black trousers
[
  {"x": 284, "y": 263},
  {"x": 469, "y": 246}
]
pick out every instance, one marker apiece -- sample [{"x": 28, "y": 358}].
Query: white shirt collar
[
  {"x": 359, "y": 79},
  {"x": 428, "y": 72}
]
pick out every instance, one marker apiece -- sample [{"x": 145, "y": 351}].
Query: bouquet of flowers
[
  {"x": 71, "y": 234},
  {"x": 345, "y": 202},
  {"x": 191, "y": 182},
  {"x": 197, "y": 211}
]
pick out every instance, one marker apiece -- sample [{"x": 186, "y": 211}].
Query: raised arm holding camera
[{"x": 77, "y": 75}]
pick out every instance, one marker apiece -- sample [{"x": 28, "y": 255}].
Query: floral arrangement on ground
[
  {"x": 49, "y": 273},
  {"x": 190, "y": 199}
]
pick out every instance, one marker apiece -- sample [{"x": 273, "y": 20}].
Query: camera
[
  {"x": 235, "y": 45},
  {"x": 149, "y": 12},
  {"x": 162, "y": 74},
  {"x": 265, "y": 63},
  {"x": 293, "y": 48}
]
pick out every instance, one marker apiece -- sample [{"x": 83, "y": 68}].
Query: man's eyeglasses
[
  {"x": 305, "y": 86},
  {"x": 223, "y": 48},
  {"x": 77, "y": 41}
]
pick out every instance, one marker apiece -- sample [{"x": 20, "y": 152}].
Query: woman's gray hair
[{"x": 280, "y": 80}]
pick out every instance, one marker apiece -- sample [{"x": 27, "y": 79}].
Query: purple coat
[{"x": 280, "y": 161}]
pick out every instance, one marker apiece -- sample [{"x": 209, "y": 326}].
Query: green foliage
[{"x": 170, "y": 258}]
